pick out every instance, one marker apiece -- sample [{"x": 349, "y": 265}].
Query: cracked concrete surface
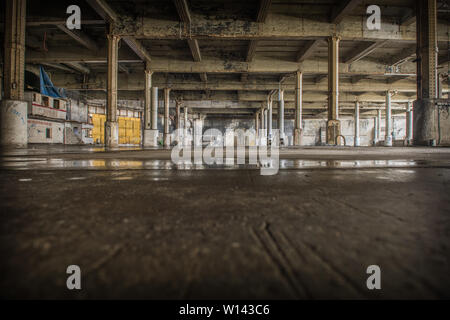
[{"x": 152, "y": 230}]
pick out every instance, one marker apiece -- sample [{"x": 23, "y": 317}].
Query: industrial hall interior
[{"x": 225, "y": 149}]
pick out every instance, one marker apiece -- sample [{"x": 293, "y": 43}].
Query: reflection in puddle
[{"x": 114, "y": 164}]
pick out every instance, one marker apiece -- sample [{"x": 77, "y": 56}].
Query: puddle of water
[{"x": 229, "y": 164}]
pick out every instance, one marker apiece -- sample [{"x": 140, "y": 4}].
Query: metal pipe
[{"x": 357, "y": 138}]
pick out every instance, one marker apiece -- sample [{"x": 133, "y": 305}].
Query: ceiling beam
[
  {"x": 185, "y": 16},
  {"x": 195, "y": 50},
  {"x": 78, "y": 67},
  {"x": 403, "y": 56},
  {"x": 138, "y": 48},
  {"x": 263, "y": 10},
  {"x": 79, "y": 37},
  {"x": 103, "y": 10},
  {"x": 204, "y": 77},
  {"x": 307, "y": 50},
  {"x": 279, "y": 26},
  {"x": 251, "y": 50},
  {"x": 363, "y": 51},
  {"x": 345, "y": 7},
  {"x": 59, "y": 67},
  {"x": 108, "y": 14}
]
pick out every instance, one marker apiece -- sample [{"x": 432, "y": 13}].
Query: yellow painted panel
[{"x": 129, "y": 129}]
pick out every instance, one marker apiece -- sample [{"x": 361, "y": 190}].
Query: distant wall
[{"x": 44, "y": 131}]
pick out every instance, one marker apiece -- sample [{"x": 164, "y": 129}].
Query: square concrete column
[
  {"x": 357, "y": 138},
  {"x": 112, "y": 125},
  {"x": 186, "y": 140},
  {"x": 166, "y": 117},
  {"x": 425, "y": 110},
  {"x": 257, "y": 126},
  {"x": 375, "y": 131},
  {"x": 13, "y": 110},
  {"x": 269, "y": 119},
  {"x": 150, "y": 135},
  {"x": 409, "y": 123},
  {"x": 388, "y": 129},
  {"x": 333, "y": 124},
  {"x": 378, "y": 125},
  {"x": 298, "y": 129},
  {"x": 281, "y": 116}
]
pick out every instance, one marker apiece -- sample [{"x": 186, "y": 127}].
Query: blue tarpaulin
[{"x": 47, "y": 86}]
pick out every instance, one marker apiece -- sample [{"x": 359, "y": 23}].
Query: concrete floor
[{"x": 141, "y": 227}]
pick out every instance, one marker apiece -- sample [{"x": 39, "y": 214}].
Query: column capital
[{"x": 113, "y": 37}]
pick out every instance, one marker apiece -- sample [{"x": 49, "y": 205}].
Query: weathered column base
[
  {"x": 298, "y": 137},
  {"x": 333, "y": 131},
  {"x": 13, "y": 123},
  {"x": 166, "y": 140},
  {"x": 357, "y": 141},
  {"x": 111, "y": 134},
  {"x": 150, "y": 138},
  {"x": 425, "y": 122}
]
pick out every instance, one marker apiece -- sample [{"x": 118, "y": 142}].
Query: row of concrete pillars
[{"x": 13, "y": 111}]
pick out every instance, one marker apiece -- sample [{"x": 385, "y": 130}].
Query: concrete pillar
[
  {"x": 269, "y": 119},
  {"x": 357, "y": 138},
  {"x": 333, "y": 124},
  {"x": 154, "y": 121},
  {"x": 409, "y": 124},
  {"x": 178, "y": 111},
  {"x": 13, "y": 110},
  {"x": 388, "y": 129},
  {"x": 375, "y": 131},
  {"x": 166, "y": 117},
  {"x": 112, "y": 125},
  {"x": 425, "y": 110},
  {"x": 148, "y": 99},
  {"x": 185, "y": 130},
  {"x": 378, "y": 125},
  {"x": 281, "y": 116},
  {"x": 150, "y": 135},
  {"x": 257, "y": 124},
  {"x": 298, "y": 129}
]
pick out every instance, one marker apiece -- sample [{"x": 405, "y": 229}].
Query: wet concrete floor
[{"x": 140, "y": 226}]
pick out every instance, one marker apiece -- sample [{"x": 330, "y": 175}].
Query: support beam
[
  {"x": 426, "y": 129},
  {"x": 13, "y": 110},
  {"x": 409, "y": 124},
  {"x": 388, "y": 130},
  {"x": 185, "y": 16},
  {"x": 333, "y": 124},
  {"x": 375, "y": 131},
  {"x": 364, "y": 51},
  {"x": 269, "y": 119},
  {"x": 263, "y": 10},
  {"x": 79, "y": 67},
  {"x": 154, "y": 121},
  {"x": 345, "y": 7},
  {"x": 203, "y": 77},
  {"x": 138, "y": 48},
  {"x": 79, "y": 37},
  {"x": 251, "y": 50},
  {"x": 257, "y": 123},
  {"x": 195, "y": 50},
  {"x": 307, "y": 50},
  {"x": 111, "y": 125},
  {"x": 109, "y": 15},
  {"x": 166, "y": 117},
  {"x": 281, "y": 117},
  {"x": 148, "y": 99},
  {"x": 357, "y": 138},
  {"x": 298, "y": 127},
  {"x": 103, "y": 10}
]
